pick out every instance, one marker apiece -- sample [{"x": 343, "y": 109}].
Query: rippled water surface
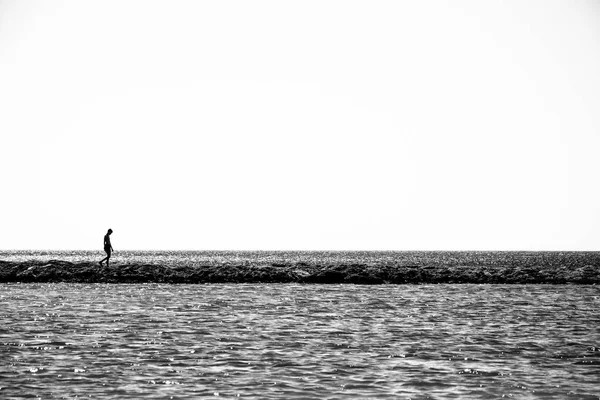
[
  {"x": 299, "y": 341},
  {"x": 422, "y": 258}
]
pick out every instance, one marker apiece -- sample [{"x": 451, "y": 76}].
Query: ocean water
[
  {"x": 431, "y": 258},
  {"x": 64, "y": 340}
]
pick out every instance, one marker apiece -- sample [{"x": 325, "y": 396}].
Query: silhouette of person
[{"x": 107, "y": 247}]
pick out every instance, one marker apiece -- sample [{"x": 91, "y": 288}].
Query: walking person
[{"x": 107, "y": 247}]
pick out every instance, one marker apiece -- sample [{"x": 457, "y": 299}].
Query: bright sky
[{"x": 342, "y": 125}]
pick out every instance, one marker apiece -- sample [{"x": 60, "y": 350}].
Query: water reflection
[{"x": 186, "y": 341}]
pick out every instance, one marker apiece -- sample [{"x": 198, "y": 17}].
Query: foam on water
[{"x": 299, "y": 341}]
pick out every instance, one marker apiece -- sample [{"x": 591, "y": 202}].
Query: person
[{"x": 107, "y": 247}]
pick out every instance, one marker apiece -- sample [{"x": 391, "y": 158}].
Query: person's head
[{"x": 109, "y": 231}]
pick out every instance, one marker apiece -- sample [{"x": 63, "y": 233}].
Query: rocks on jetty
[{"x": 385, "y": 273}]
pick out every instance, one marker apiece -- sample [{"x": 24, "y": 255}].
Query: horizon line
[{"x": 314, "y": 250}]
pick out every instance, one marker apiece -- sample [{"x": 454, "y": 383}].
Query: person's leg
[{"x": 107, "y": 258}]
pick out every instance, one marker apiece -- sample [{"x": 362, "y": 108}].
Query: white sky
[{"x": 392, "y": 125}]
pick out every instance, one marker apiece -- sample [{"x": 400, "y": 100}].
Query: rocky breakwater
[{"x": 301, "y": 272}]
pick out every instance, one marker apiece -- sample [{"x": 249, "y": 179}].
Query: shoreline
[{"x": 295, "y": 272}]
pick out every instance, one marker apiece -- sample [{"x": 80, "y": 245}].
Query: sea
[{"x": 294, "y": 341}]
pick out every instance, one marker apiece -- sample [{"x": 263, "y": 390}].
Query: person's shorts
[{"x": 107, "y": 250}]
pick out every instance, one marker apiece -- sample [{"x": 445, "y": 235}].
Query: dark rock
[{"x": 302, "y": 272}]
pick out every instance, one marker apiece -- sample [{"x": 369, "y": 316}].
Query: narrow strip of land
[{"x": 356, "y": 273}]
